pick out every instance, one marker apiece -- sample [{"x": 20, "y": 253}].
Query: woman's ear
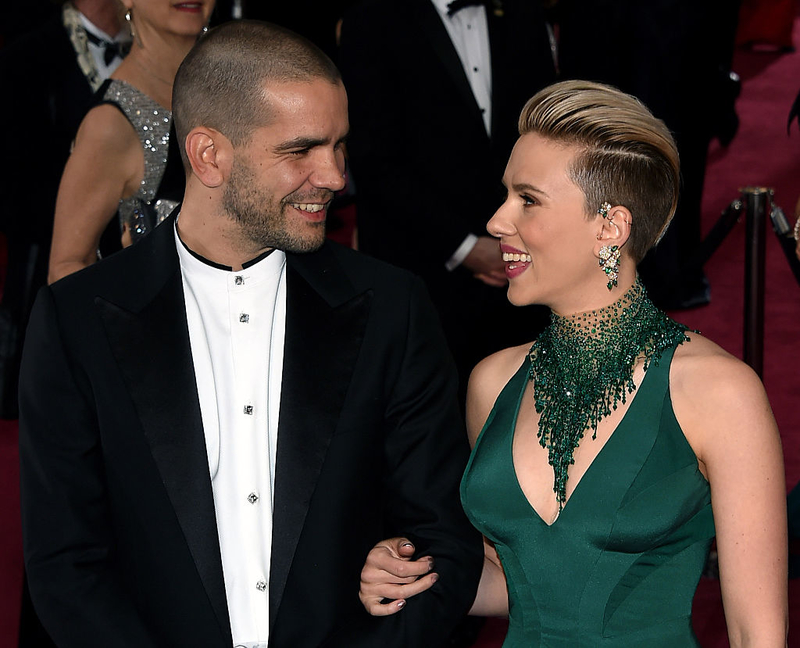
[
  {"x": 210, "y": 155},
  {"x": 613, "y": 227}
]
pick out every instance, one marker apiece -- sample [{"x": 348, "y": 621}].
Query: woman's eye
[{"x": 527, "y": 200}]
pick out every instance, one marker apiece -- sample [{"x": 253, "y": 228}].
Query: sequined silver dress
[{"x": 143, "y": 211}]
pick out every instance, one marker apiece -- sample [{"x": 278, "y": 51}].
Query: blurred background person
[
  {"x": 120, "y": 155},
  {"x": 50, "y": 74},
  {"x": 435, "y": 88}
]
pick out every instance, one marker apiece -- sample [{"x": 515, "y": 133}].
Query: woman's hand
[{"x": 389, "y": 573}]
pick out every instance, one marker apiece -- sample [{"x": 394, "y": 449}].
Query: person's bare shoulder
[
  {"x": 486, "y": 382},
  {"x": 702, "y": 368},
  {"x": 105, "y": 130},
  {"x": 713, "y": 393}
]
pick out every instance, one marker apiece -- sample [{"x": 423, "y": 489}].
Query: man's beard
[{"x": 262, "y": 218}]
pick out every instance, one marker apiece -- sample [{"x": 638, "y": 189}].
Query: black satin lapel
[
  {"x": 436, "y": 34},
  {"x": 499, "y": 33},
  {"x": 322, "y": 345},
  {"x": 152, "y": 349}
]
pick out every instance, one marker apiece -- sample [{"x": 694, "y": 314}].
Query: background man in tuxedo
[
  {"x": 49, "y": 76},
  {"x": 436, "y": 88},
  {"x": 219, "y": 422}
]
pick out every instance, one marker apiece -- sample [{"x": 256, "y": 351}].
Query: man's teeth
[
  {"x": 309, "y": 207},
  {"x": 525, "y": 258}
]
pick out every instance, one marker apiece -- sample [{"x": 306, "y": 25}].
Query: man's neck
[
  {"x": 103, "y": 14},
  {"x": 214, "y": 236}
]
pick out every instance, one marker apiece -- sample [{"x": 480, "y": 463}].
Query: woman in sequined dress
[
  {"x": 120, "y": 149},
  {"x": 609, "y": 452}
]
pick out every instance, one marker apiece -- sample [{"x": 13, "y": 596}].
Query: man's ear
[
  {"x": 210, "y": 155},
  {"x": 613, "y": 229}
]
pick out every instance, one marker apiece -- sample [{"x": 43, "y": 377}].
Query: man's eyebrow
[
  {"x": 303, "y": 144},
  {"x": 299, "y": 143}
]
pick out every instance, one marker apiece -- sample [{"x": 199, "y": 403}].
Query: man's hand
[
  {"x": 486, "y": 262},
  {"x": 389, "y": 573}
]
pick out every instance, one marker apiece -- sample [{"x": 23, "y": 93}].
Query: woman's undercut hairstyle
[
  {"x": 627, "y": 157},
  {"x": 221, "y": 82}
]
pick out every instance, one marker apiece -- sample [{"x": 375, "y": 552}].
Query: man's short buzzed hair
[{"x": 220, "y": 83}]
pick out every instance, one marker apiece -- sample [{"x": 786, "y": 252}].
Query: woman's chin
[{"x": 520, "y": 298}]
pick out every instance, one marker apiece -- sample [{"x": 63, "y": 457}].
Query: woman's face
[
  {"x": 547, "y": 240},
  {"x": 171, "y": 16}
]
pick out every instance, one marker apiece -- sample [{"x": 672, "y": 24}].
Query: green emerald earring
[
  {"x": 609, "y": 255},
  {"x": 609, "y": 263}
]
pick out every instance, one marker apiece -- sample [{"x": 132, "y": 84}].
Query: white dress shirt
[
  {"x": 469, "y": 32},
  {"x": 237, "y": 325},
  {"x": 98, "y": 52}
]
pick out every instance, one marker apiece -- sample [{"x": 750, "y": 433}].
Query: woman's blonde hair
[{"x": 627, "y": 157}]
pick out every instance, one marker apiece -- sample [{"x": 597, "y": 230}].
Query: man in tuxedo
[
  {"x": 219, "y": 422},
  {"x": 436, "y": 88}
]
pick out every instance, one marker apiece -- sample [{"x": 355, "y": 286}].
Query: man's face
[{"x": 283, "y": 179}]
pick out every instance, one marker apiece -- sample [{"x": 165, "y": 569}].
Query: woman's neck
[
  {"x": 598, "y": 322},
  {"x": 152, "y": 67}
]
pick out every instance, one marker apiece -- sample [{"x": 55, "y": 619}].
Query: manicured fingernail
[
  {"x": 401, "y": 604},
  {"x": 431, "y": 562},
  {"x": 407, "y": 544},
  {"x": 434, "y": 577}
]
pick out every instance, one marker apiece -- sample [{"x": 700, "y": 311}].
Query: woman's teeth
[{"x": 525, "y": 258}]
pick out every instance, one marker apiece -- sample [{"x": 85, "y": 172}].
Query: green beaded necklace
[{"x": 582, "y": 367}]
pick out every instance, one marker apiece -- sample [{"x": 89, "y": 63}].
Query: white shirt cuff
[{"x": 461, "y": 253}]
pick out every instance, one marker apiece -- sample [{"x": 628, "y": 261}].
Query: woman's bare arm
[
  {"x": 721, "y": 405},
  {"x": 106, "y": 164}
]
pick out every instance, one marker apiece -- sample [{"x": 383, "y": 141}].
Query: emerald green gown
[{"x": 620, "y": 565}]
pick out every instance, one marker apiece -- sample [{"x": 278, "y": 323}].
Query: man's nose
[{"x": 329, "y": 172}]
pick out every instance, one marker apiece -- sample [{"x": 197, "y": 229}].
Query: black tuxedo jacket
[
  {"x": 119, "y": 526},
  {"x": 426, "y": 172},
  {"x": 47, "y": 97}
]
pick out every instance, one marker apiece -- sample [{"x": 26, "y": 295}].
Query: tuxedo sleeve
[
  {"x": 68, "y": 542},
  {"x": 426, "y": 452}
]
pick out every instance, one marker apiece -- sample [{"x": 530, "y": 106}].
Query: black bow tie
[
  {"x": 111, "y": 49},
  {"x": 458, "y": 5}
]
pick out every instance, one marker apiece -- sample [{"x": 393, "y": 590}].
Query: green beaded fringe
[{"x": 582, "y": 368}]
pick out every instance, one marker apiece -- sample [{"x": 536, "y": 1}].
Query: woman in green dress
[{"x": 610, "y": 451}]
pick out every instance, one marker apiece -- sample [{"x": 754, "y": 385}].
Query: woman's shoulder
[
  {"x": 701, "y": 367},
  {"x": 105, "y": 124},
  {"x": 486, "y": 382},
  {"x": 716, "y": 397},
  {"x": 500, "y": 366}
]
